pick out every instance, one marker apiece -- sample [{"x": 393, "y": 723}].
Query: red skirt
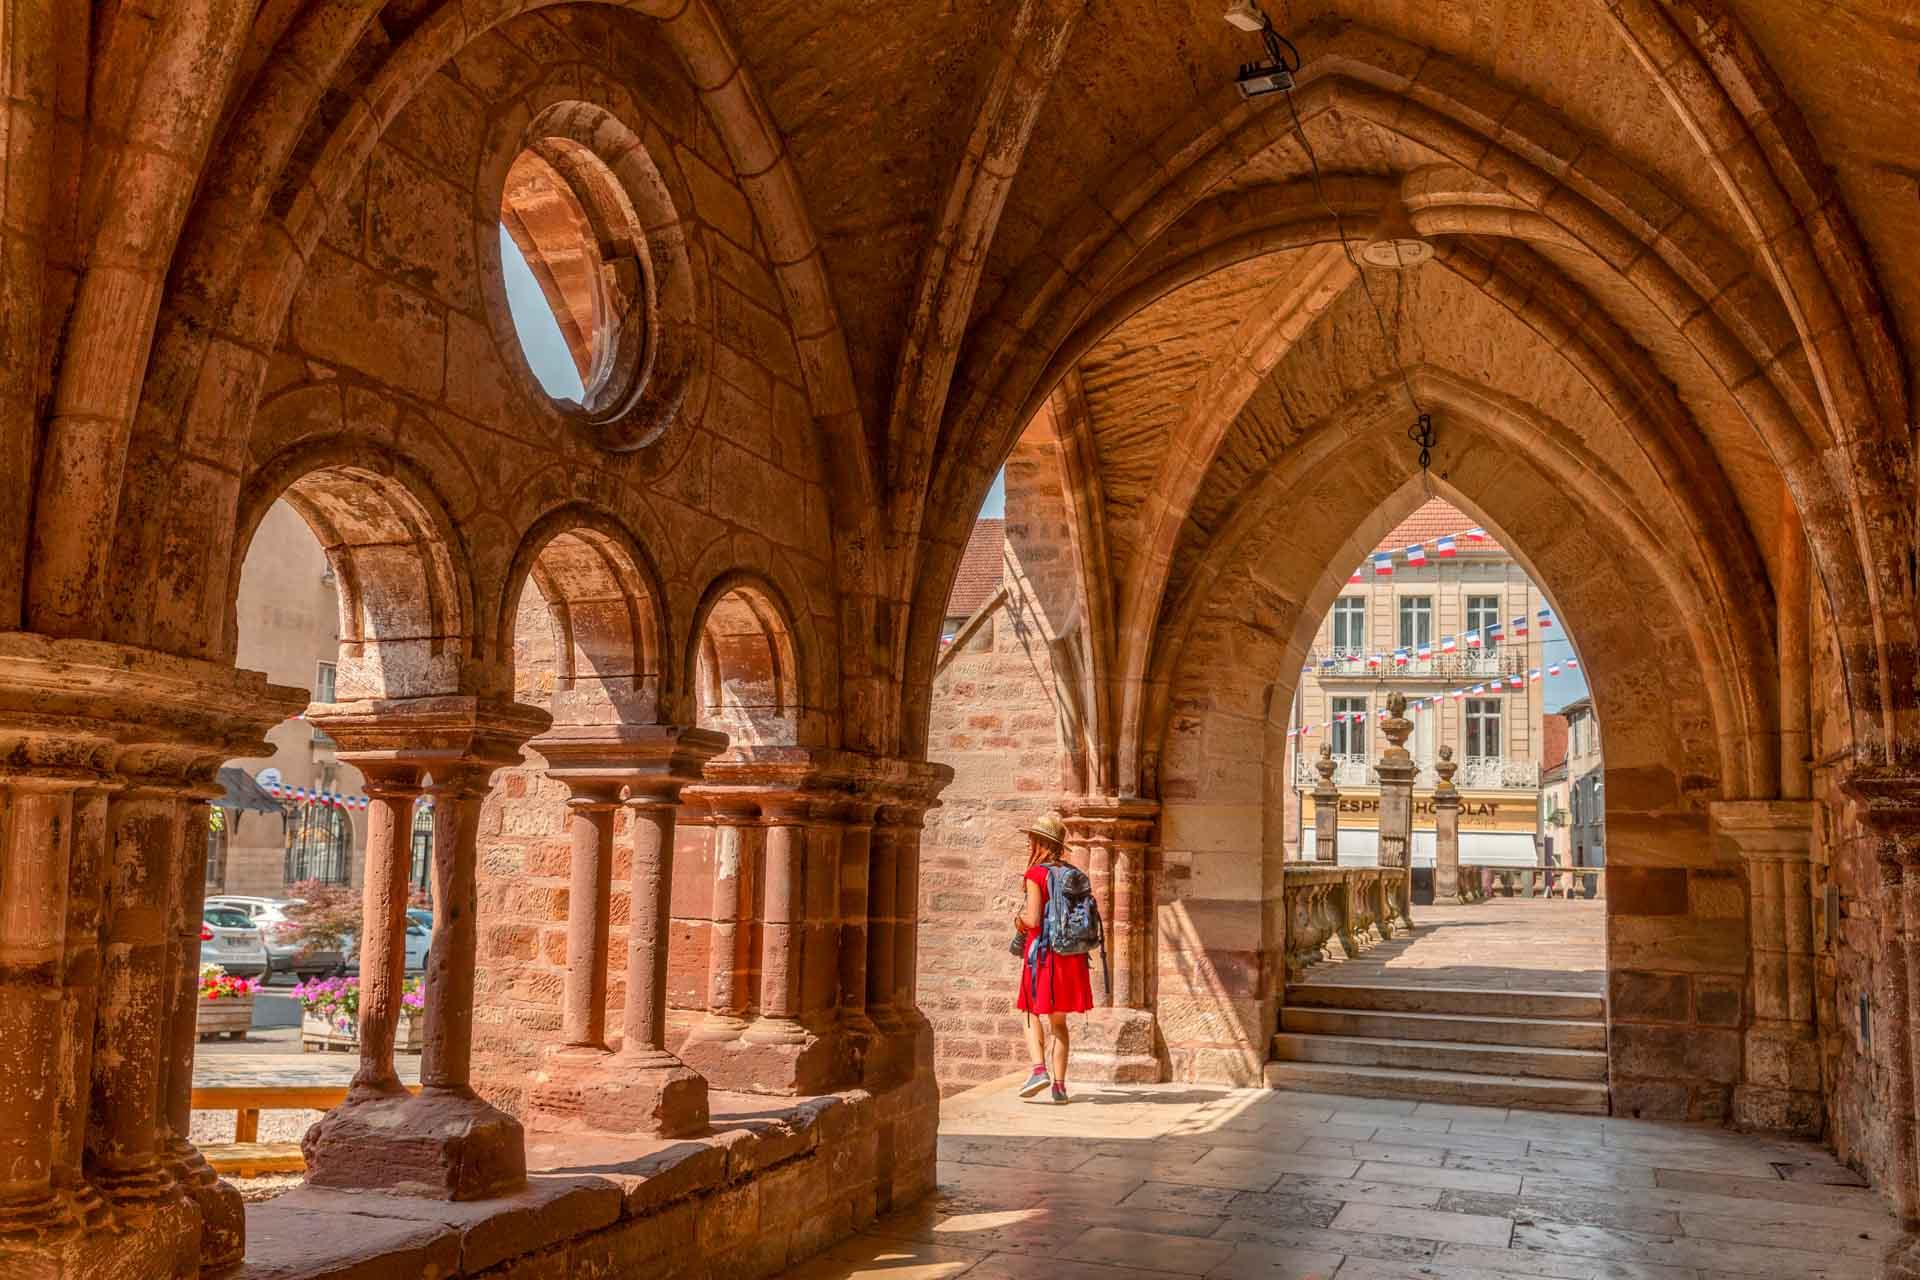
[{"x": 1065, "y": 985}]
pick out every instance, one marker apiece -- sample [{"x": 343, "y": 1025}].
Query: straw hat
[{"x": 1050, "y": 829}]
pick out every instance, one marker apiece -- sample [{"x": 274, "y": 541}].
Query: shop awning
[{"x": 242, "y": 792}]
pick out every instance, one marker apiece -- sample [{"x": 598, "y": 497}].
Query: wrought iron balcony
[
  {"x": 1466, "y": 664},
  {"x": 1476, "y": 773}
]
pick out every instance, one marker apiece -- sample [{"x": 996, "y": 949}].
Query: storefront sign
[{"x": 1477, "y": 813}]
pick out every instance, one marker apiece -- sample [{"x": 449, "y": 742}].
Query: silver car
[
  {"x": 232, "y": 941},
  {"x": 284, "y": 953}
]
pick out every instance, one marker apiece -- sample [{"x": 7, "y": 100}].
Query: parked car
[
  {"x": 285, "y": 953},
  {"x": 231, "y": 940},
  {"x": 419, "y": 938}
]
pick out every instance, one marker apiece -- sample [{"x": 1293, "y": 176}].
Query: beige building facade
[
  {"x": 1455, "y": 626},
  {"x": 288, "y": 617}
]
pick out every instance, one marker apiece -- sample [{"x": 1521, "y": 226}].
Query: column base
[
  {"x": 443, "y": 1144},
  {"x": 770, "y": 1055},
  {"x": 1782, "y": 1094},
  {"x": 592, "y": 1090},
  {"x": 223, "y": 1215},
  {"x": 69, "y": 1251},
  {"x": 1116, "y": 1046}
]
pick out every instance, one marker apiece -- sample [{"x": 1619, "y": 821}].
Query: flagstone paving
[
  {"x": 1503, "y": 944},
  {"x": 1178, "y": 1180}
]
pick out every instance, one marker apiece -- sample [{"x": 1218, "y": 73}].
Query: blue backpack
[{"x": 1071, "y": 923}]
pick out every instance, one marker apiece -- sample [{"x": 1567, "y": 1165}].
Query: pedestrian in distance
[{"x": 1057, "y": 928}]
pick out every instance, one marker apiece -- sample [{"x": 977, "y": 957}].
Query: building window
[
  {"x": 422, "y": 877},
  {"x": 1483, "y": 728},
  {"x": 1349, "y": 735},
  {"x": 217, "y": 849},
  {"x": 1349, "y": 624},
  {"x": 1483, "y": 612},
  {"x": 1416, "y": 621},
  {"x": 322, "y": 846},
  {"x": 323, "y": 682}
]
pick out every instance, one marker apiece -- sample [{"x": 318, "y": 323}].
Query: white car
[
  {"x": 284, "y": 955},
  {"x": 232, "y": 941},
  {"x": 419, "y": 938}
]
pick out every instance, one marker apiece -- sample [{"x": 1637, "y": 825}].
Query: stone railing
[
  {"x": 1353, "y": 906},
  {"x": 1476, "y": 773},
  {"x": 1464, "y": 664},
  {"x": 1481, "y": 882}
]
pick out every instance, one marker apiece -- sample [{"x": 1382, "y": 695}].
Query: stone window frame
[
  {"x": 1481, "y": 611},
  {"x": 1476, "y": 714},
  {"x": 1410, "y": 638},
  {"x": 1356, "y": 620},
  {"x": 1343, "y": 732}
]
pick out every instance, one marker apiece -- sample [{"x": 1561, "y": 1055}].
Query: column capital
[
  {"x": 87, "y": 710},
  {"x": 432, "y": 734},
  {"x": 1127, "y": 820},
  {"x": 650, "y": 760},
  {"x": 1764, "y": 830}
]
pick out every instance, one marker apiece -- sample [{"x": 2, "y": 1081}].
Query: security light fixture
[{"x": 1275, "y": 75}]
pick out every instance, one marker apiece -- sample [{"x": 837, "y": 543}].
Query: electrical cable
[{"x": 1421, "y": 433}]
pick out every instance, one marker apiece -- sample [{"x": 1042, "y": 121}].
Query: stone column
[
  {"x": 734, "y": 821},
  {"x": 445, "y": 1143},
  {"x": 1396, "y": 770},
  {"x": 643, "y": 1088},
  {"x": 1446, "y": 831},
  {"x": 46, "y": 1050},
  {"x": 583, "y": 1011},
  {"x": 1792, "y": 603},
  {"x": 856, "y": 870},
  {"x": 1118, "y": 1040},
  {"x": 392, "y": 791},
  {"x": 223, "y": 1218},
  {"x": 105, "y": 754},
  {"x": 1326, "y": 809},
  {"x": 1780, "y": 1088}
]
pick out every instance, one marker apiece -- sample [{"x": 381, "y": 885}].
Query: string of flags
[
  {"x": 313, "y": 795},
  {"x": 1498, "y": 685},
  {"x": 1475, "y": 638},
  {"x": 1445, "y": 547}
]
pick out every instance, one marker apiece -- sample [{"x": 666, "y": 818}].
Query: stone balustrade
[
  {"x": 1354, "y": 906},
  {"x": 1478, "y": 882}
]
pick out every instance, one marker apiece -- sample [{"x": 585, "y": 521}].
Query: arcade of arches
[{"x": 666, "y": 656}]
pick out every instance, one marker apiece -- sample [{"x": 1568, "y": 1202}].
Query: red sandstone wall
[{"x": 994, "y": 722}]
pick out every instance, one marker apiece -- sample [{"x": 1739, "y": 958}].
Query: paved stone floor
[
  {"x": 1514, "y": 944},
  {"x": 1180, "y": 1180}
]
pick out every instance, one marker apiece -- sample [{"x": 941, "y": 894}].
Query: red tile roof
[
  {"x": 980, "y": 568},
  {"x": 1434, "y": 518}
]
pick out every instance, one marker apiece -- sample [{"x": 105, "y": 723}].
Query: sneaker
[
  {"x": 1059, "y": 1095},
  {"x": 1035, "y": 1083}
]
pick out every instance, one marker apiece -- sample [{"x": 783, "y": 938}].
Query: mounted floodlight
[{"x": 1275, "y": 75}]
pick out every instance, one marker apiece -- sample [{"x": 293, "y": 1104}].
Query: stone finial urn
[
  {"x": 1396, "y": 727},
  {"x": 1444, "y": 768},
  {"x": 1324, "y": 766}
]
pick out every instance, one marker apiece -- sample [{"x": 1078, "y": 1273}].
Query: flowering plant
[
  {"x": 337, "y": 1000},
  {"x": 217, "y": 984}
]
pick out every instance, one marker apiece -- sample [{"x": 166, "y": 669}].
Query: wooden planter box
[
  {"x": 319, "y": 1034},
  {"x": 230, "y": 1016}
]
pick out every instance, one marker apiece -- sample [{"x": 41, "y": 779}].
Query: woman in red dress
[{"x": 1057, "y": 985}]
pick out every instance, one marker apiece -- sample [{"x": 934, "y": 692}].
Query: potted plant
[
  {"x": 330, "y": 1014},
  {"x": 225, "y": 1006}
]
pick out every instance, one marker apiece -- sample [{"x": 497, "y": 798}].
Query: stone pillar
[
  {"x": 105, "y": 757},
  {"x": 643, "y": 1088},
  {"x": 1118, "y": 1041},
  {"x": 392, "y": 791},
  {"x": 1780, "y": 1084},
  {"x": 1396, "y": 770},
  {"x": 445, "y": 1143},
  {"x": 583, "y": 1010},
  {"x": 1326, "y": 809},
  {"x": 1792, "y": 603},
  {"x": 1446, "y": 831},
  {"x": 856, "y": 871},
  {"x": 734, "y": 823},
  {"x": 223, "y": 1218}
]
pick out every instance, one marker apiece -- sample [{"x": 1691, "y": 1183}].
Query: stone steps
[
  {"x": 1459, "y": 1028},
  {"x": 1440, "y": 1055},
  {"x": 1584, "y": 1097},
  {"x": 1472, "y": 1001},
  {"x": 1492, "y": 1048}
]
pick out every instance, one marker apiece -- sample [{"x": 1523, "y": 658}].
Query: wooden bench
[{"x": 246, "y": 1156}]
